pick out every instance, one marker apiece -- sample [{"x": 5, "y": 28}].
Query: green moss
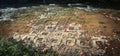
[{"x": 8, "y": 48}]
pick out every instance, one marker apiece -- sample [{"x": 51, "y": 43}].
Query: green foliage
[{"x": 8, "y": 48}]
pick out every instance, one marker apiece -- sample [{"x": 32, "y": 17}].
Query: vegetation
[{"x": 8, "y": 48}]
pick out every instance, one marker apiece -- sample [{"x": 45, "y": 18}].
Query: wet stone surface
[
  {"x": 68, "y": 31},
  {"x": 69, "y": 38}
]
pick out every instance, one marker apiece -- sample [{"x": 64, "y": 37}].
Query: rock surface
[{"x": 68, "y": 31}]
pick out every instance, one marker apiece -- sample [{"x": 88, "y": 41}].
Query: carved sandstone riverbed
[{"x": 68, "y": 31}]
